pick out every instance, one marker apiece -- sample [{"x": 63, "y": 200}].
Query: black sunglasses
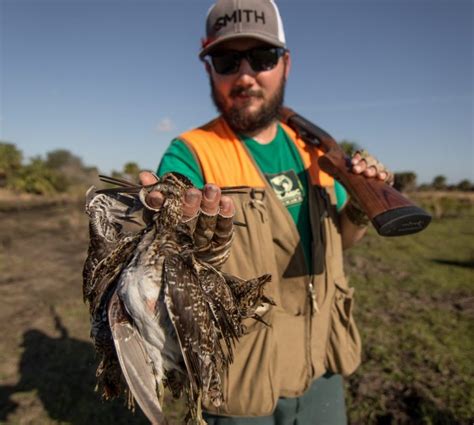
[{"x": 259, "y": 58}]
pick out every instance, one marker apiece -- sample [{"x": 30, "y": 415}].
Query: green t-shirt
[{"x": 281, "y": 164}]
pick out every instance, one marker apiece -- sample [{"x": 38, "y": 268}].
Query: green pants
[{"x": 322, "y": 404}]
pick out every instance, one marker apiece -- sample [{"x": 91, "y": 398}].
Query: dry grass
[{"x": 414, "y": 307}]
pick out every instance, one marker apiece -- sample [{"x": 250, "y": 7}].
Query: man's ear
[{"x": 287, "y": 61}]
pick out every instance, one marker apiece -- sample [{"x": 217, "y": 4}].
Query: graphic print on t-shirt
[{"x": 287, "y": 187}]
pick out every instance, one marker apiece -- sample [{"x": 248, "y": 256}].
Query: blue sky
[{"x": 115, "y": 80}]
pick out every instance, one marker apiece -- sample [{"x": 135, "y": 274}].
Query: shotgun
[{"x": 389, "y": 211}]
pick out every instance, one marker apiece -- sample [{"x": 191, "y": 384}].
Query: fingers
[
  {"x": 211, "y": 199},
  {"x": 208, "y": 201},
  {"x": 225, "y": 221},
  {"x": 208, "y": 214},
  {"x": 191, "y": 203},
  {"x": 214, "y": 246},
  {"x": 154, "y": 199},
  {"x": 214, "y": 225},
  {"x": 226, "y": 208},
  {"x": 147, "y": 178},
  {"x": 206, "y": 224},
  {"x": 369, "y": 166}
]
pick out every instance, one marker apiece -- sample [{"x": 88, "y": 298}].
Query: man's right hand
[
  {"x": 209, "y": 200},
  {"x": 208, "y": 213}
]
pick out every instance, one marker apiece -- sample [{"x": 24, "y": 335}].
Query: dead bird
[{"x": 160, "y": 315}]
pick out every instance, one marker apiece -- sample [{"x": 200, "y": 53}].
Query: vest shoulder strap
[{"x": 310, "y": 155}]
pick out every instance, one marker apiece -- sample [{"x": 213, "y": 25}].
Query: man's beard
[{"x": 239, "y": 119}]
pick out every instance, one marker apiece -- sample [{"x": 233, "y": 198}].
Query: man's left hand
[
  {"x": 366, "y": 164},
  {"x": 354, "y": 221}
]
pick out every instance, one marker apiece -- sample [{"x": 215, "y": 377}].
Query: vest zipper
[{"x": 313, "y": 301}]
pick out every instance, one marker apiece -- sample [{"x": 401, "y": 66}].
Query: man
[{"x": 295, "y": 226}]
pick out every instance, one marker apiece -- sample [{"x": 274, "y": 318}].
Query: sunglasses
[{"x": 259, "y": 58}]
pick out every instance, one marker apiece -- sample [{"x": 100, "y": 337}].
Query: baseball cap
[{"x": 231, "y": 19}]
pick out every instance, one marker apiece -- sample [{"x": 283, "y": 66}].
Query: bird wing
[
  {"x": 110, "y": 219},
  {"x": 105, "y": 271},
  {"x": 191, "y": 319},
  {"x": 109, "y": 212},
  {"x": 222, "y": 303},
  {"x": 136, "y": 368}
]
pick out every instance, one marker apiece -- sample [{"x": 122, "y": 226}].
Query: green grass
[{"x": 415, "y": 309}]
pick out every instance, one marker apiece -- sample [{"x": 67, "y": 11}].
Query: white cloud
[{"x": 165, "y": 125}]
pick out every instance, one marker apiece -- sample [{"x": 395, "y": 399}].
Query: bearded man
[{"x": 295, "y": 222}]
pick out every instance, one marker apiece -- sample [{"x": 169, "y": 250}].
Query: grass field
[
  {"x": 415, "y": 301},
  {"x": 415, "y": 310}
]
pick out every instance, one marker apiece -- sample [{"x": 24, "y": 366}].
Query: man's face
[{"x": 249, "y": 100}]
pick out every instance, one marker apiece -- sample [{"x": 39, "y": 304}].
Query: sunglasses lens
[
  {"x": 263, "y": 59},
  {"x": 226, "y": 63},
  {"x": 260, "y": 59}
]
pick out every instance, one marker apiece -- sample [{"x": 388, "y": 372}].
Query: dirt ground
[{"x": 47, "y": 362}]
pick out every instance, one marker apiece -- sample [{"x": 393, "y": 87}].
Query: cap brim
[{"x": 256, "y": 36}]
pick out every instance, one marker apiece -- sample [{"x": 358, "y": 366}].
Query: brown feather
[{"x": 170, "y": 317}]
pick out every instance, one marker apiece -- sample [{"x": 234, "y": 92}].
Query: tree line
[{"x": 60, "y": 171}]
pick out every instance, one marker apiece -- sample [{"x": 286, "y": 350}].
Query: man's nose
[{"x": 246, "y": 69}]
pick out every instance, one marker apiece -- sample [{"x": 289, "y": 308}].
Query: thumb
[{"x": 147, "y": 177}]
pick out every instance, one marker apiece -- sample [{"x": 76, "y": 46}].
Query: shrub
[
  {"x": 37, "y": 178},
  {"x": 405, "y": 181},
  {"x": 10, "y": 162}
]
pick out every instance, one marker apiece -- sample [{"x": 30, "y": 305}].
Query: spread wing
[{"x": 136, "y": 369}]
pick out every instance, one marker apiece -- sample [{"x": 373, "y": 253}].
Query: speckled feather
[{"x": 172, "y": 318}]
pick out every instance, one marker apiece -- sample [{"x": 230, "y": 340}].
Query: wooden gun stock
[{"x": 389, "y": 211}]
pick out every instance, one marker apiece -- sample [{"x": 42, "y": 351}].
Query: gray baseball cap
[{"x": 230, "y": 19}]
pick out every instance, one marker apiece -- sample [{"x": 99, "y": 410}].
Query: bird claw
[
  {"x": 267, "y": 300},
  {"x": 259, "y": 319}
]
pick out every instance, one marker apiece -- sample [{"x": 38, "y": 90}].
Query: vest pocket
[{"x": 344, "y": 346}]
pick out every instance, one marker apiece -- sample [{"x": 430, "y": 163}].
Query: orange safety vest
[
  {"x": 311, "y": 329},
  {"x": 225, "y": 161}
]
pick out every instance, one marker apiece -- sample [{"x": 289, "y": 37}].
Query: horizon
[{"x": 114, "y": 81}]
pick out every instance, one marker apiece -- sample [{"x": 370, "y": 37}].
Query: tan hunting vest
[{"x": 311, "y": 329}]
